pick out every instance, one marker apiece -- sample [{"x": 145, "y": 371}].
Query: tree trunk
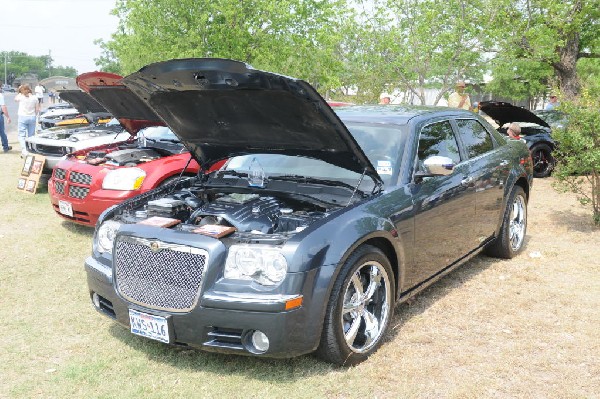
[{"x": 566, "y": 70}]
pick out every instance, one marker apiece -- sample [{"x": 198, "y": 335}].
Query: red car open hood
[{"x": 107, "y": 89}]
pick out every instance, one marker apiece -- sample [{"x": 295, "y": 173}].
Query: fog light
[
  {"x": 260, "y": 341},
  {"x": 96, "y": 300}
]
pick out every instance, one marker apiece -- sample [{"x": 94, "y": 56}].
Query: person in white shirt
[
  {"x": 39, "y": 92},
  {"x": 29, "y": 108}
]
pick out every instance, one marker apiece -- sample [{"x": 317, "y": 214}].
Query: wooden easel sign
[{"x": 31, "y": 173}]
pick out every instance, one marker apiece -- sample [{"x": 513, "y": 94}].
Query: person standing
[
  {"x": 460, "y": 99},
  {"x": 553, "y": 103},
  {"x": 4, "y": 115},
  {"x": 39, "y": 92},
  {"x": 29, "y": 108}
]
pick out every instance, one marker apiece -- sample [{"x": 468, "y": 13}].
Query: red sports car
[{"x": 89, "y": 181}]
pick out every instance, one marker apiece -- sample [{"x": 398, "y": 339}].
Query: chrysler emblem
[{"x": 154, "y": 246}]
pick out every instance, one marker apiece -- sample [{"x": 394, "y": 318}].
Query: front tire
[
  {"x": 514, "y": 226},
  {"x": 359, "y": 309}
]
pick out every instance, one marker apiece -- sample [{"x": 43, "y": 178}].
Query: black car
[
  {"x": 319, "y": 223},
  {"x": 534, "y": 130}
]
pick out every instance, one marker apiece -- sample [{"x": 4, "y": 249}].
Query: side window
[
  {"x": 476, "y": 139},
  {"x": 438, "y": 139}
]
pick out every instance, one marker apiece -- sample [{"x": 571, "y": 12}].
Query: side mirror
[
  {"x": 435, "y": 166},
  {"x": 439, "y": 166}
]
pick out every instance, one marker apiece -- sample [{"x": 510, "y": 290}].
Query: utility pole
[{"x": 5, "y": 57}]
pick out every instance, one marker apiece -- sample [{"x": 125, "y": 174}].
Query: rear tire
[
  {"x": 514, "y": 226},
  {"x": 543, "y": 162},
  {"x": 359, "y": 309}
]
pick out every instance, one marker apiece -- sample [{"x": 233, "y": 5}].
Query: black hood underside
[{"x": 222, "y": 108}]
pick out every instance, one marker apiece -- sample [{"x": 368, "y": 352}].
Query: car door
[
  {"x": 444, "y": 206},
  {"x": 488, "y": 170}
]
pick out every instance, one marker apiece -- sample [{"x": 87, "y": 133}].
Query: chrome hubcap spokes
[
  {"x": 366, "y": 306},
  {"x": 517, "y": 223}
]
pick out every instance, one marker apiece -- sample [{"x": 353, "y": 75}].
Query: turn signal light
[{"x": 293, "y": 303}]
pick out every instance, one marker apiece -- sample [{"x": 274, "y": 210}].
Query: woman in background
[{"x": 29, "y": 108}]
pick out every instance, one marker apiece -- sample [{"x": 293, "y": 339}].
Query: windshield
[
  {"x": 382, "y": 143},
  {"x": 158, "y": 133}
]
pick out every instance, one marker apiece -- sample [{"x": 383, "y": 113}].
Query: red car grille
[{"x": 72, "y": 184}]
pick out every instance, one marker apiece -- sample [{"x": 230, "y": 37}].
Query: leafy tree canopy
[
  {"x": 295, "y": 37},
  {"x": 19, "y": 63}
]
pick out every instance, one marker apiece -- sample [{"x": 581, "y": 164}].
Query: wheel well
[
  {"x": 386, "y": 247},
  {"x": 522, "y": 182}
]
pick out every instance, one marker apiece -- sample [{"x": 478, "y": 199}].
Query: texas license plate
[
  {"x": 149, "y": 326},
  {"x": 66, "y": 208}
]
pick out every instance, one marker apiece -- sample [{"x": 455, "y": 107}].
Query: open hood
[
  {"x": 221, "y": 108},
  {"x": 107, "y": 89},
  {"x": 81, "y": 101},
  {"x": 504, "y": 113}
]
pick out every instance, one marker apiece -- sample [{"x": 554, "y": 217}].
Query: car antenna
[{"x": 362, "y": 176}]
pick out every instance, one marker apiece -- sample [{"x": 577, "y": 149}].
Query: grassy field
[{"x": 526, "y": 328}]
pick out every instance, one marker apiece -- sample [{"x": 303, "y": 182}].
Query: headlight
[
  {"x": 261, "y": 263},
  {"x": 105, "y": 236},
  {"x": 124, "y": 179}
]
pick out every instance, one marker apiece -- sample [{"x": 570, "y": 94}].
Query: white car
[{"x": 55, "y": 143}]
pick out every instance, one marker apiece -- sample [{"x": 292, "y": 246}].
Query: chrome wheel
[
  {"x": 366, "y": 304},
  {"x": 517, "y": 223}
]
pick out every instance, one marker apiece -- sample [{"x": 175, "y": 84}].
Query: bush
[{"x": 578, "y": 152}]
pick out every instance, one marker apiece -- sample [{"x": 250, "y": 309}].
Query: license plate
[
  {"x": 66, "y": 208},
  {"x": 149, "y": 326}
]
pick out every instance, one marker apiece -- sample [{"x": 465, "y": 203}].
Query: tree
[
  {"x": 578, "y": 154},
  {"x": 19, "y": 63},
  {"x": 295, "y": 37},
  {"x": 414, "y": 44},
  {"x": 544, "y": 39}
]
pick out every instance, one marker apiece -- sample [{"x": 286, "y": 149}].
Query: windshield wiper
[
  {"x": 230, "y": 172},
  {"x": 314, "y": 180}
]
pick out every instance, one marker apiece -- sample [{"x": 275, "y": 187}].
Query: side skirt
[{"x": 405, "y": 295}]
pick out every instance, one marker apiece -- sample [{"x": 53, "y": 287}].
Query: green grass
[{"x": 493, "y": 328}]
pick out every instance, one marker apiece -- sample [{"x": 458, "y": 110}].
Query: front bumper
[
  {"x": 221, "y": 322},
  {"x": 87, "y": 210}
]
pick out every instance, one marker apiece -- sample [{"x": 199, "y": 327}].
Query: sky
[{"x": 65, "y": 29}]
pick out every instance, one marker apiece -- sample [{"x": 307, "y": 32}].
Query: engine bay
[{"x": 248, "y": 213}]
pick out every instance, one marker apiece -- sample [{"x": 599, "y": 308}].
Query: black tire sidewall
[
  {"x": 362, "y": 255},
  {"x": 505, "y": 233},
  {"x": 546, "y": 148}
]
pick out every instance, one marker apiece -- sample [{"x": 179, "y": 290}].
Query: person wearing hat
[
  {"x": 553, "y": 103},
  {"x": 459, "y": 99}
]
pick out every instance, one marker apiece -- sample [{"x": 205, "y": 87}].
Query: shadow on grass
[
  {"x": 78, "y": 228},
  {"x": 582, "y": 223},
  {"x": 288, "y": 370},
  {"x": 274, "y": 371}
]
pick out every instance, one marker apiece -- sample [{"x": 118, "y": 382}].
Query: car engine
[{"x": 248, "y": 213}]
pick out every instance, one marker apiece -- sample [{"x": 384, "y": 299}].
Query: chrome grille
[
  {"x": 78, "y": 192},
  {"x": 159, "y": 275},
  {"x": 60, "y": 173},
  {"x": 59, "y": 187},
  {"x": 81, "y": 178}
]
